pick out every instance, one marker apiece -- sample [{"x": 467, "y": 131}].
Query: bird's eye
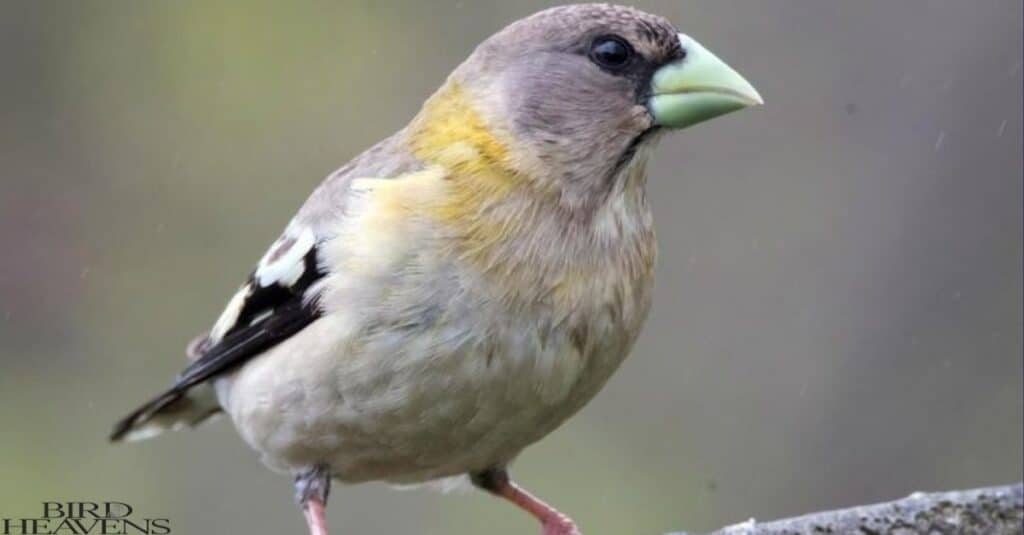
[{"x": 611, "y": 52}]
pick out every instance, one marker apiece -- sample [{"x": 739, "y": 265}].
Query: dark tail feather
[{"x": 173, "y": 409}]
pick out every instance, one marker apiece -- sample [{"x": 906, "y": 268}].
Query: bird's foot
[
  {"x": 552, "y": 521},
  {"x": 559, "y": 525}
]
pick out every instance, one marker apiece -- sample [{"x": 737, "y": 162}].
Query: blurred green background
[{"x": 838, "y": 317}]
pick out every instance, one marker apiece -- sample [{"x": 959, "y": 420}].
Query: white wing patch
[
  {"x": 229, "y": 317},
  {"x": 283, "y": 264},
  {"x": 282, "y": 267}
]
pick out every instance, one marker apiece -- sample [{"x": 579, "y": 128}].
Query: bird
[{"x": 459, "y": 290}]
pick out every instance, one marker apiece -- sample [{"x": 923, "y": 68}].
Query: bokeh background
[{"x": 838, "y": 314}]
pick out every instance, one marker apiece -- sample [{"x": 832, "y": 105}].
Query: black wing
[
  {"x": 268, "y": 315},
  {"x": 270, "y": 307}
]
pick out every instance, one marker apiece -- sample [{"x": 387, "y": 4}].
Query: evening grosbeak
[{"x": 457, "y": 291}]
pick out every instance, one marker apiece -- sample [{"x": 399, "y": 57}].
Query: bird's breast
[{"x": 459, "y": 327}]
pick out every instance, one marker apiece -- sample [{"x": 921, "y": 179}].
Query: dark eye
[{"x": 611, "y": 52}]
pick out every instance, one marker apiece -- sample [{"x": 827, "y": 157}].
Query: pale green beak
[{"x": 697, "y": 88}]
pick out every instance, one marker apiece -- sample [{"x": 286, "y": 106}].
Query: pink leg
[
  {"x": 497, "y": 482},
  {"x": 316, "y": 517},
  {"x": 311, "y": 490}
]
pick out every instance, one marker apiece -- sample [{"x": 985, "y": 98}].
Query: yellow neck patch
[
  {"x": 478, "y": 193},
  {"x": 478, "y": 171},
  {"x": 449, "y": 132}
]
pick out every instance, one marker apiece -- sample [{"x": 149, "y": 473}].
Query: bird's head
[{"x": 571, "y": 95}]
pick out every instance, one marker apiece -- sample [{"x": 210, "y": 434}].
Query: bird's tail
[
  {"x": 172, "y": 410},
  {"x": 175, "y": 409}
]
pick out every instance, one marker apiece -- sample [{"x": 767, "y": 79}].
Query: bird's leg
[
  {"x": 311, "y": 490},
  {"x": 497, "y": 482}
]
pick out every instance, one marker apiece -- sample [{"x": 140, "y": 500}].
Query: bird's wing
[
  {"x": 272, "y": 305},
  {"x": 277, "y": 301}
]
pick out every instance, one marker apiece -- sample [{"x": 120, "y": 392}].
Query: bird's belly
[{"x": 417, "y": 404}]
